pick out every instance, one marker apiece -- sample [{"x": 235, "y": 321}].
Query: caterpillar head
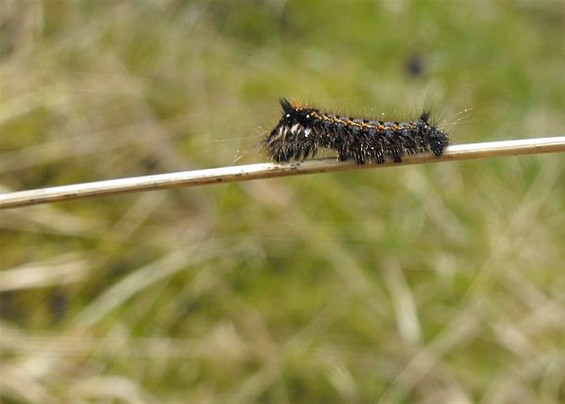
[{"x": 293, "y": 112}]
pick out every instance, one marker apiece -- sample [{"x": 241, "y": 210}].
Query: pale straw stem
[{"x": 269, "y": 170}]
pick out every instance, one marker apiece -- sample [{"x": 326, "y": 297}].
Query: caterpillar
[{"x": 302, "y": 131}]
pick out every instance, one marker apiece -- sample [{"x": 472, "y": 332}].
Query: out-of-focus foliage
[{"x": 437, "y": 283}]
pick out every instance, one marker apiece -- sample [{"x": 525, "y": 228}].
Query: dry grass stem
[{"x": 268, "y": 170}]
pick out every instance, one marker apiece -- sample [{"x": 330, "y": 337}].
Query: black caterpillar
[{"x": 303, "y": 130}]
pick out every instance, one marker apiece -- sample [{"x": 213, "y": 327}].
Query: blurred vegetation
[{"x": 437, "y": 283}]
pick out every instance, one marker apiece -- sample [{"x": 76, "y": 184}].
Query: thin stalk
[{"x": 269, "y": 170}]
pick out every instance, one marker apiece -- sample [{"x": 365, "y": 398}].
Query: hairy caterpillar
[{"x": 303, "y": 130}]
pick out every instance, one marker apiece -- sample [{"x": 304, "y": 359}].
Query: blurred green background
[{"x": 417, "y": 284}]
